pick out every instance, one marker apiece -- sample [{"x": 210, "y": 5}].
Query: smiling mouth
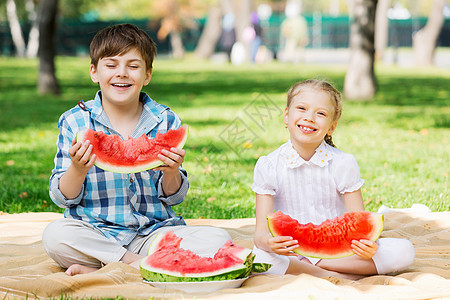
[
  {"x": 121, "y": 85},
  {"x": 306, "y": 129}
]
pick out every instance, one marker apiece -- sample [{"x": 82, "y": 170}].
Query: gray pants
[{"x": 69, "y": 241}]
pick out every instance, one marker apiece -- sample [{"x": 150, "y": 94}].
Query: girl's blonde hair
[{"x": 319, "y": 85}]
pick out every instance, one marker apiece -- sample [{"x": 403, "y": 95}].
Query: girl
[{"x": 311, "y": 180}]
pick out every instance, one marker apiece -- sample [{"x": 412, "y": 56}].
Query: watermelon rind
[
  {"x": 240, "y": 270},
  {"x": 376, "y": 219},
  {"x": 163, "y": 276},
  {"x": 155, "y": 243},
  {"x": 81, "y": 136},
  {"x": 260, "y": 267}
]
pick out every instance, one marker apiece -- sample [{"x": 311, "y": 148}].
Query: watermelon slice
[
  {"x": 167, "y": 262},
  {"x": 133, "y": 155},
  {"x": 332, "y": 238}
]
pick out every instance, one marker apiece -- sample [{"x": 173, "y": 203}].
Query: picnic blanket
[{"x": 27, "y": 272}]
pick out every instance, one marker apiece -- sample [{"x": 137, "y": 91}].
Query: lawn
[{"x": 400, "y": 139}]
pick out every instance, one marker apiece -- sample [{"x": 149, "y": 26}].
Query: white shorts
[
  {"x": 279, "y": 263},
  {"x": 393, "y": 255}
]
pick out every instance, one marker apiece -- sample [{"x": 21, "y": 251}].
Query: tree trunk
[
  {"x": 211, "y": 33},
  {"x": 177, "y": 44},
  {"x": 360, "y": 82},
  {"x": 425, "y": 40},
  {"x": 33, "y": 41},
  {"x": 14, "y": 25},
  {"x": 381, "y": 28},
  {"x": 33, "y": 37},
  {"x": 243, "y": 9},
  {"x": 47, "y": 81}
]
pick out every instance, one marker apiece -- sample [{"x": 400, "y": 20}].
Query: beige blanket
[{"x": 26, "y": 271}]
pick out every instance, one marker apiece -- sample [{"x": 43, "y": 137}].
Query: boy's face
[{"x": 121, "y": 78}]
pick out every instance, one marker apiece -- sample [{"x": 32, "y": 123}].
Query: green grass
[{"x": 400, "y": 139}]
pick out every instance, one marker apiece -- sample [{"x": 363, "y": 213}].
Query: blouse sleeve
[
  {"x": 347, "y": 175},
  {"x": 264, "y": 179}
]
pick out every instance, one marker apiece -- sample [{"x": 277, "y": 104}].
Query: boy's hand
[
  {"x": 364, "y": 248},
  {"x": 80, "y": 153},
  {"x": 171, "y": 180},
  {"x": 172, "y": 160},
  {"x": 283, "y": 245}
]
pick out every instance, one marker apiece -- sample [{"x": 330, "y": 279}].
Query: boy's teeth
[{"x": 121, "y": 85}]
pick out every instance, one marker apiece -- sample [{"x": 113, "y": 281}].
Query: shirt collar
[
  {"x": 97, "y": 109},
  {"x": 294, "y": 160},
  {"x": 150, "y": 117}
]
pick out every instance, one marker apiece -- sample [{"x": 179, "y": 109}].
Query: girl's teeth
[{"x": 306, "y": 128}]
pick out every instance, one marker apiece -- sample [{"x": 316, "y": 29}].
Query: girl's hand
[
  {"x": 80, "y": 154},
  {"x": 283, "y": 245},
  {"x": 172, "y": 160},
  {"x": 364, "y": 248}
]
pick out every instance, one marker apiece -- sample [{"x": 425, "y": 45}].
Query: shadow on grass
[
  {"x": 417, "y": 91},
  {"x": 401, "y": 120},
  {"x": 21, "y": 106}
]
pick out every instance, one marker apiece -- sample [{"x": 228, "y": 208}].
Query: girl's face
[
  {"x": 121, "y": 77},
  {"x": 309, "y": 117}
]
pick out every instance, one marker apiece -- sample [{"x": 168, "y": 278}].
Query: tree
[
  {"x": 13, "y": 15},
  {"x": 210, "y": 34},
  {"x": 360, "y": 82},
  {"x": 176, "y": 15},
  {"x": 242, "y": 11},
  {"x": 14, "y": 25},
  {"x": 33, "y": 37},
  {"x": 381, "y": 28},
  {"x": 425, "y": 40},
  {"x": 47, "y": 81}
]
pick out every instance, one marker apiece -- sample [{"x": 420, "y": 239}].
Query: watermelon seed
[{"x": 96, "y": 135}]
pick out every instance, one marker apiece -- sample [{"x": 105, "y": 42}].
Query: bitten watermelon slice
[
  {"x": 133, "y": 155},
  {"x": 167, "y": 262},
  {"x": 332, "y": 238}
]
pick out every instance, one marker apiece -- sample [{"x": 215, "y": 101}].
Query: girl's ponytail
[{"x": 329, "y": 140}]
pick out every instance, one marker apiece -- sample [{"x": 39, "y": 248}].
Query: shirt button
[{"x": 131, "y": 180}]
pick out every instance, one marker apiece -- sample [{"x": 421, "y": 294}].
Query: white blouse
[{"x": 309, "y": 191}]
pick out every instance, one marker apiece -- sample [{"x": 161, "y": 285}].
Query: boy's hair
[
  {"x": 119, "y": 39},
  {"x": 319, "y": 85}
]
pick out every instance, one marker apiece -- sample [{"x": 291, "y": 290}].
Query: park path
[{"x": 405, "y": 57}]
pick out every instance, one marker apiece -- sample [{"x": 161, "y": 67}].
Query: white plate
[{"x": 199, "y": 286}]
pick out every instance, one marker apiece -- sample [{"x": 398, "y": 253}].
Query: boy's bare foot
[
  {"x": 76, "y": 269},
  {"x": 136, "y": 264},
  {"x": 132, "y": 259}
]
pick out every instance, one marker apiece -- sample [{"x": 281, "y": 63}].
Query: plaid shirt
[{"x": 119, "y": 205}]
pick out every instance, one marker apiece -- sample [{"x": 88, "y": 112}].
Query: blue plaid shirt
[{"x": 119, "y": 205}]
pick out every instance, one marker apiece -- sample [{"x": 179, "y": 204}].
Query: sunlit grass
[{"x": 400, "y": 139}]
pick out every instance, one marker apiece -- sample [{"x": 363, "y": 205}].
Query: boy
[{"x": 112, "y": 217}]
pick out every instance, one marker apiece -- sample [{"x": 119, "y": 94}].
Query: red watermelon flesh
[
  {"x": 167, "y": 262},
  {"x": 132, "y": 155},
  {"x": 330, "y": 239}
]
